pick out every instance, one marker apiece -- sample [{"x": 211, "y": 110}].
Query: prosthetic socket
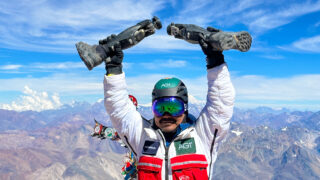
[
  {"x": 94, "y": 55},
  {"x": 218, "y": 39}
]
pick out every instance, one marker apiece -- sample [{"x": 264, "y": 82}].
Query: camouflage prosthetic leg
[
  {"x": 219, "y": 40},
  {"x": 93, "y": 55}
]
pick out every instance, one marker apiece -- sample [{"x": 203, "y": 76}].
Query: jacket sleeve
[
  {"x": 218, "y": 110},
  {"x": 123, "y": 114}
]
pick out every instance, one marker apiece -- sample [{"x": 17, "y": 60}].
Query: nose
[{"x": 166, "y": 114}]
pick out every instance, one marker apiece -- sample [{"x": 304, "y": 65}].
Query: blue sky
[{"x": 40, "y": 68}]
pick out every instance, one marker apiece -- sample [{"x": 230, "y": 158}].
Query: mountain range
[{"x": 263, "y": 143}]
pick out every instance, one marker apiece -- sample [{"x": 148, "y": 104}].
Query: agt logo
[
  {"x": 185, "y": 146},
  {"x": 165, "y": 85}
]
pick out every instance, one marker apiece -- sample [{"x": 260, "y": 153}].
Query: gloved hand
[
  {"x": 107, "y": 40},
  {"x": 114, "y": 63},
  {"x": 214, "y": 57}
]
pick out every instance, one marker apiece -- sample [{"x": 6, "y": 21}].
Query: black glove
[
  {"x": 106, "y": 40},
  {"x": 214, "y": 58},
  {"x": 114, "y": 64}
]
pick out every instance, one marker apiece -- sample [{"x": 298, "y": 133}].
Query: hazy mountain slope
[{"x": 262, "y": 144}]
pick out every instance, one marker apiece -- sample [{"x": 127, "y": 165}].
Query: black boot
[
  {"x": 218, "y": 39},
  {"x": 94, "y": 55}
]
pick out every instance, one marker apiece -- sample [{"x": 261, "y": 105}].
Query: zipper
[
  {"x": 167, "y": 163},
  {"x": 211, "y": 149},
  {"x": 129, "y": 146},
  {"x": 166, "y": 158}
]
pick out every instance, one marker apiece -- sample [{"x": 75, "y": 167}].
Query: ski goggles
[{"x": 172, "y": 105}]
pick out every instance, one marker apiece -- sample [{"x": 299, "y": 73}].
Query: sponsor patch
[
  {"x": 150, "y": 147},
  {"x": 185, "y": 146}
]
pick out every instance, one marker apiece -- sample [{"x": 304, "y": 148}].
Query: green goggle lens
[{"x": 171, "y": 105}]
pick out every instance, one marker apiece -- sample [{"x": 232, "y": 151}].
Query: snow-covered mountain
[{"x": 56, "y": 144}]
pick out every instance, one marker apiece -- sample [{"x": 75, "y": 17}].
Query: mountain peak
[{"x": 194, "y": 100}]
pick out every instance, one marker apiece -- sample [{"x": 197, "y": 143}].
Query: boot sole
[{"x": 243, "y": 40}]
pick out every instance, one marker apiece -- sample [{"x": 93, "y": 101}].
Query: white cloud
[
  {"x": 278, "y": 105},
  {"x": 273, "y": 56},
  {"x": 55, "y": 26},
  {"x": 10, "y": 67},
  {"x": 259, "y": 16},
  {"x": 274, "y": 18},
  {"x": 299, "y": 91},
  {"x": 60, "y": 65},
  {"x": 224, "y": 13},
  {"x": 63, "y": 83},
  {"x": 43, "y": 67},
  {"x": 40, "y": 14},
  {"x": 311, "y": 44},
  {"x": 164, "y": 43},
  {"x": 33, "y": 100},
  {"x": 164, "y": 64},
  {"x": 296, "y": 88}
]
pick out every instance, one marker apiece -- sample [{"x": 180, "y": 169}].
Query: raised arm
[
  {"x": 123, "y": 114},
  {"x": 214, "y": 120}
]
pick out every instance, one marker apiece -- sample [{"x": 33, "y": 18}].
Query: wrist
[
  {"x": 214, "y": 59},
  {"x": 114, "y": 69}
]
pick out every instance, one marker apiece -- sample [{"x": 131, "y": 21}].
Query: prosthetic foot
[
  {"x": 94, "y": 55},
  {"x": 90, "y": 55},
  {"x": 219, "y": 40}
]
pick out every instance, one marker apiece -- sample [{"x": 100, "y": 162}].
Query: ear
[{"x": 185, "y": 119}]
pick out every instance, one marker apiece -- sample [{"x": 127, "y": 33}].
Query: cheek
[
  {"x": 157, "y": 121},
  {"x": 180, "y": 119}
]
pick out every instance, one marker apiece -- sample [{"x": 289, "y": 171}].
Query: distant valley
[{"x": 262, "y": 144}]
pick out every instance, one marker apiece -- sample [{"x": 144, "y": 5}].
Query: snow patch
[
  {"x": 146, "y": 105},
  {"x": 293, "y": 118},
  {"x": 294, "y": 155},
  {"x": 237, "y": 132}
]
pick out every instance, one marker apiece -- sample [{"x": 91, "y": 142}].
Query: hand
[
  {"x": 114, "y": 61},
  {"x": 214, "y": 58},
  {"x": 212, "y": 29},
  {"x": 106, "y": 40}
]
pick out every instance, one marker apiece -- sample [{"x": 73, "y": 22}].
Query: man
[{"x": 174, "y": 146}]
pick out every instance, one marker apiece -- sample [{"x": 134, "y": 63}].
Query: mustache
[{"x": 167, "y": 119}]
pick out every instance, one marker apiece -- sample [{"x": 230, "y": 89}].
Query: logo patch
[
  {"x": 185, "y": 146},
  {"x": 150, "y": 147},
  {"x": 184, "y": 177},
  {"x": 109, "y": 132}
]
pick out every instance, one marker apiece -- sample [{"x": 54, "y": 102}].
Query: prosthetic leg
[
  {"x": 218, "y": 39},
  {"x": 93, "y": 55}
]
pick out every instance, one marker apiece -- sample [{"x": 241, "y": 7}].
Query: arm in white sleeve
[
  {"x": 123, "y": 114},
  {"x": 218, "y": 110}
]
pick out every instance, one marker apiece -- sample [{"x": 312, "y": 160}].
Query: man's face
[{"x": 168, "y": 123}]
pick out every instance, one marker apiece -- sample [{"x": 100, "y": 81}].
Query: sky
[{"x": 40, "y": 68}]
